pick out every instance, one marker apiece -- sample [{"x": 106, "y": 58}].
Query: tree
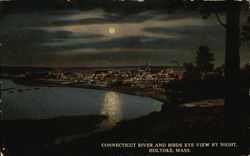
[
  {"x": 203, "y": 65},
  {"x": 232, "y": 62},
  {"x": 232, "y": 69},
  {"x": 204, "y": 59}
]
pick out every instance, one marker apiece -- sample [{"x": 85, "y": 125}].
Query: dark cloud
[
  {"x": 54, "y": 18},
  {"x": 213, "y": 35},
  {"x": 28, "y": 46},
  {"x": 108, "y": 18},
  {"x": 32, "y": 19},
  {"x": 33, "y": 36},
  {"x": 128, "y": 42},
  {"x": 189, "y": 30},
  {"x": 36, "y": 38}
]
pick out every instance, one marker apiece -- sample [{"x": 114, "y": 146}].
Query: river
[{"x": 31, "y": 102}]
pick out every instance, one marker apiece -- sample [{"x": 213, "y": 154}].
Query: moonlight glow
[{"x": 111, "y": 30}]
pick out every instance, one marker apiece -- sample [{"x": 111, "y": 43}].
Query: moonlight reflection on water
[
  {"x": 50, "y": 102},
  {"x": 112, "y": 108}
]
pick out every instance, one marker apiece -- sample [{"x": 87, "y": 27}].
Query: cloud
[
  {"x": 189, "y": 30},
  {"x": 127, "y": 42},
  {"x": 103, "y": 20},
  {"x": 31, "y": 37},
  {"x": 70, "y": 17},
  {"x": 81, "y": 38},
  {"x": 212, "y": 35},
  {"x": 28, "y": 45}
]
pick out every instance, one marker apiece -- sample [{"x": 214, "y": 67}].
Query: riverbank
[
  {"x": 157, "y": 94},
  {"x": 179, "y": 125}
]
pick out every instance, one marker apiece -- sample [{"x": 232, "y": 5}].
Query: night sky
[{"x": 88, "y": 38}]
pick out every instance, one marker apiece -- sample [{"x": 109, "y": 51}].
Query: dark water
[{"x": 30, "y": 102}]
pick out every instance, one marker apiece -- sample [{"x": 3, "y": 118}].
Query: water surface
[{"x": 31, "y": 102}]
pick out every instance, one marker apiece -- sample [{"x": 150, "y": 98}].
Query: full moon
[{"x": 111, "y": 30}]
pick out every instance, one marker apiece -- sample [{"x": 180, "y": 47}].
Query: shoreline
[{"x": 148, "y": 92}]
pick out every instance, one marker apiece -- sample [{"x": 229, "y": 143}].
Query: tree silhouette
[
  {"x": 203, "y": 67},
  {"x": 201, "y": 81},
  {"x": 204, "y": 59},
  {"x": 234, "y": 38}
]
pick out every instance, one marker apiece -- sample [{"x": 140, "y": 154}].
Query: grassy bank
[
  {"x": 24, "y": 136},
  {"x": 176, "y": 125}
]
